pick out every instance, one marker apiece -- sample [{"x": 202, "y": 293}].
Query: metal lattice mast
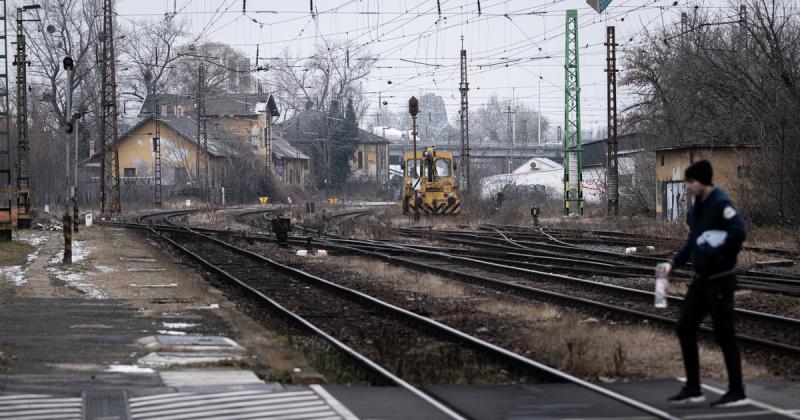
[
  {"x": 6, "y": 188},
  {"x": 612, "y": 164},
  {"x": 201, "y": 156},
  {"x": 573, "y": 164},
  {"x": 157, "y": 160},
  {"x": 23, "y": 148},
  {"x": 463, "y": 87},
  {"x": 109, "y": 166}
]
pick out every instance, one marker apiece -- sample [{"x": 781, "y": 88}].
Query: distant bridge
[{"x": 489, "y": 156}]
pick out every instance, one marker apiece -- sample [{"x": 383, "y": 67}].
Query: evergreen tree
[{"x": 343, "y": 140}]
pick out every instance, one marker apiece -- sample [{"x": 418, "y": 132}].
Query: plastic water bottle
[{"x": 662, "y": 281}]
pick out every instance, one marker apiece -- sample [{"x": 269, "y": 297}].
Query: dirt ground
[
  {"x": 596, "y": 349},
  {"x": 118, "y": 263}
]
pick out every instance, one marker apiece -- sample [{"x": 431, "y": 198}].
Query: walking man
[{"x": 716, "y": 234}]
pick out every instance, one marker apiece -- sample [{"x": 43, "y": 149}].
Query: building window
[
  {"x": 743, "y": 171},
  {"x": 360, "y": 159},
  {"x": 164, "y": 109},
  {"x": 130, "y": 172},
  {"x": 662, "y": 160}
]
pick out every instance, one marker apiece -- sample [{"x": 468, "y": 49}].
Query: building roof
[
  {"x": 705, "y": 146},
  {"x": 594, "y": 151},
  {"x": 217, "y": 104},
  {"x": 282, "y": 149},
  {"x": 311, "y": 123}
]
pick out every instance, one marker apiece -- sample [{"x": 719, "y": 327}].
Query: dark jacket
[{"x": 714, "y": 213}]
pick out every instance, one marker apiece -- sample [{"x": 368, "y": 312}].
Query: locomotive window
[
  {"x": 410, "y": 168},
  {"x": 443, "y": 167}
]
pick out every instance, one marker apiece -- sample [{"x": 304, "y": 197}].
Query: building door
[{"x": 674, "y": 200}]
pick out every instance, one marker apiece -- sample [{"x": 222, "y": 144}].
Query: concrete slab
[
  {"x": 655, "y": 392},
  {"x": 106, "y": 404},
  {"x": 249, "y": 404},
  {"x": 64, "y": 385},
  {"x": 189, "y": 343},
  {"x": 532, "y": 401},
  {"x": 218, "y": 380},
  {"x": 170, "y": 359},
  {"x": 385, "y": 403},
  {"x": 39, "y": 335}
]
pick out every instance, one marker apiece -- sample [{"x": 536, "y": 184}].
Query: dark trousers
[{"x": 714, "y": 297}]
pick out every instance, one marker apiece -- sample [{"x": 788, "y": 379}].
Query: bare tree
[
  {"x": 66, "y": 28},
  {"x": 727, "y": 81},
  {"x": 332, "y": 73},
  {"x": 226, "y": 69},
  {"x": 149, "y": 51}
]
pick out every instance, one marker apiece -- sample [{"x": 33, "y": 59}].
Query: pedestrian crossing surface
[{"x": 312, "y": 403}]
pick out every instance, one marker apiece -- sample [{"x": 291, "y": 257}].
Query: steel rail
[
  {"x": 757, "y": 279},
  {"x": 541, "y": 292},
  {"x": 459, "y": 335},
  {"x": 763, "y": 250},
  {"x": 347, "y": 350}
]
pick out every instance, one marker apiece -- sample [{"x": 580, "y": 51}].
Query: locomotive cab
[{"x": 429, "y": 185}]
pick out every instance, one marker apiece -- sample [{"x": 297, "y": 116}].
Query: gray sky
[{"x": 418, "y": 52}]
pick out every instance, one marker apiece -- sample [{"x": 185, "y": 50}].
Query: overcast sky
[{"x": 418, "y": 51}]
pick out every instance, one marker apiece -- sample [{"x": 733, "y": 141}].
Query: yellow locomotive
[{"x": 436, "y": 190}]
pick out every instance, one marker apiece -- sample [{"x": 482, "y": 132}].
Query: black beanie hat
[{"x": 700, "y": 171}]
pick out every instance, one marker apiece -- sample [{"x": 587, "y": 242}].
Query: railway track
[
  {"x": 622, "y": 238},
  {"x": 381, "y": 338},
  {"x": 499, "y": 271},
  {"x": 579, "y": 260},
  {"x": 773, "y": 332},
  {"x": 258, "y": 218}
]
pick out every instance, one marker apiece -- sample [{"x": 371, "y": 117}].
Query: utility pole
[
  {"x": 6, "y": 185},
  {"x": 463, "y": 87},
  {"x": 67, "y": 219},
  {"x": 539, "y": 114},
  {"x": 109, "y": 166},
  {"x": 573, "y": 151},
  {"x": 612, "y": 163},
  {"x": 76, "y": 117},
  {"x": 510, "y": 150},
  {"x": 23, "y": 147},
  {"x": 201, "y": 154},
  {"x": 157, "y": 197}
]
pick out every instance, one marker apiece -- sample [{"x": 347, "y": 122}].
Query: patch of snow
[
  {"x": 32, "y": 256},
  {"x": 168, "y": 332},
  {"x": 129, "y": 369},
  {"x": 79, "y": 253},
  {"x": 178, "y": 325},
  {"x": 34, "y": 240},
  {"x": 76, "y": 280},
  {"x": 14, "y": 274},
  {"x": 105, "y": 269}
]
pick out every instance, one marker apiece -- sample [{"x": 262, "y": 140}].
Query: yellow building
[
  {"x": 371, "y": 160},
  {"x": 235, "y": 134},
  {"x": 731, "y": 165}
]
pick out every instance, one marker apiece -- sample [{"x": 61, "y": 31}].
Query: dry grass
[
  {"x": 14, "y": 252},
  {"x": 587, "y": 347},
  {"x": 405, "y": 280}
]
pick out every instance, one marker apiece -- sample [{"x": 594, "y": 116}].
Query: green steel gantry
[{"x": 573, "y": 151}]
